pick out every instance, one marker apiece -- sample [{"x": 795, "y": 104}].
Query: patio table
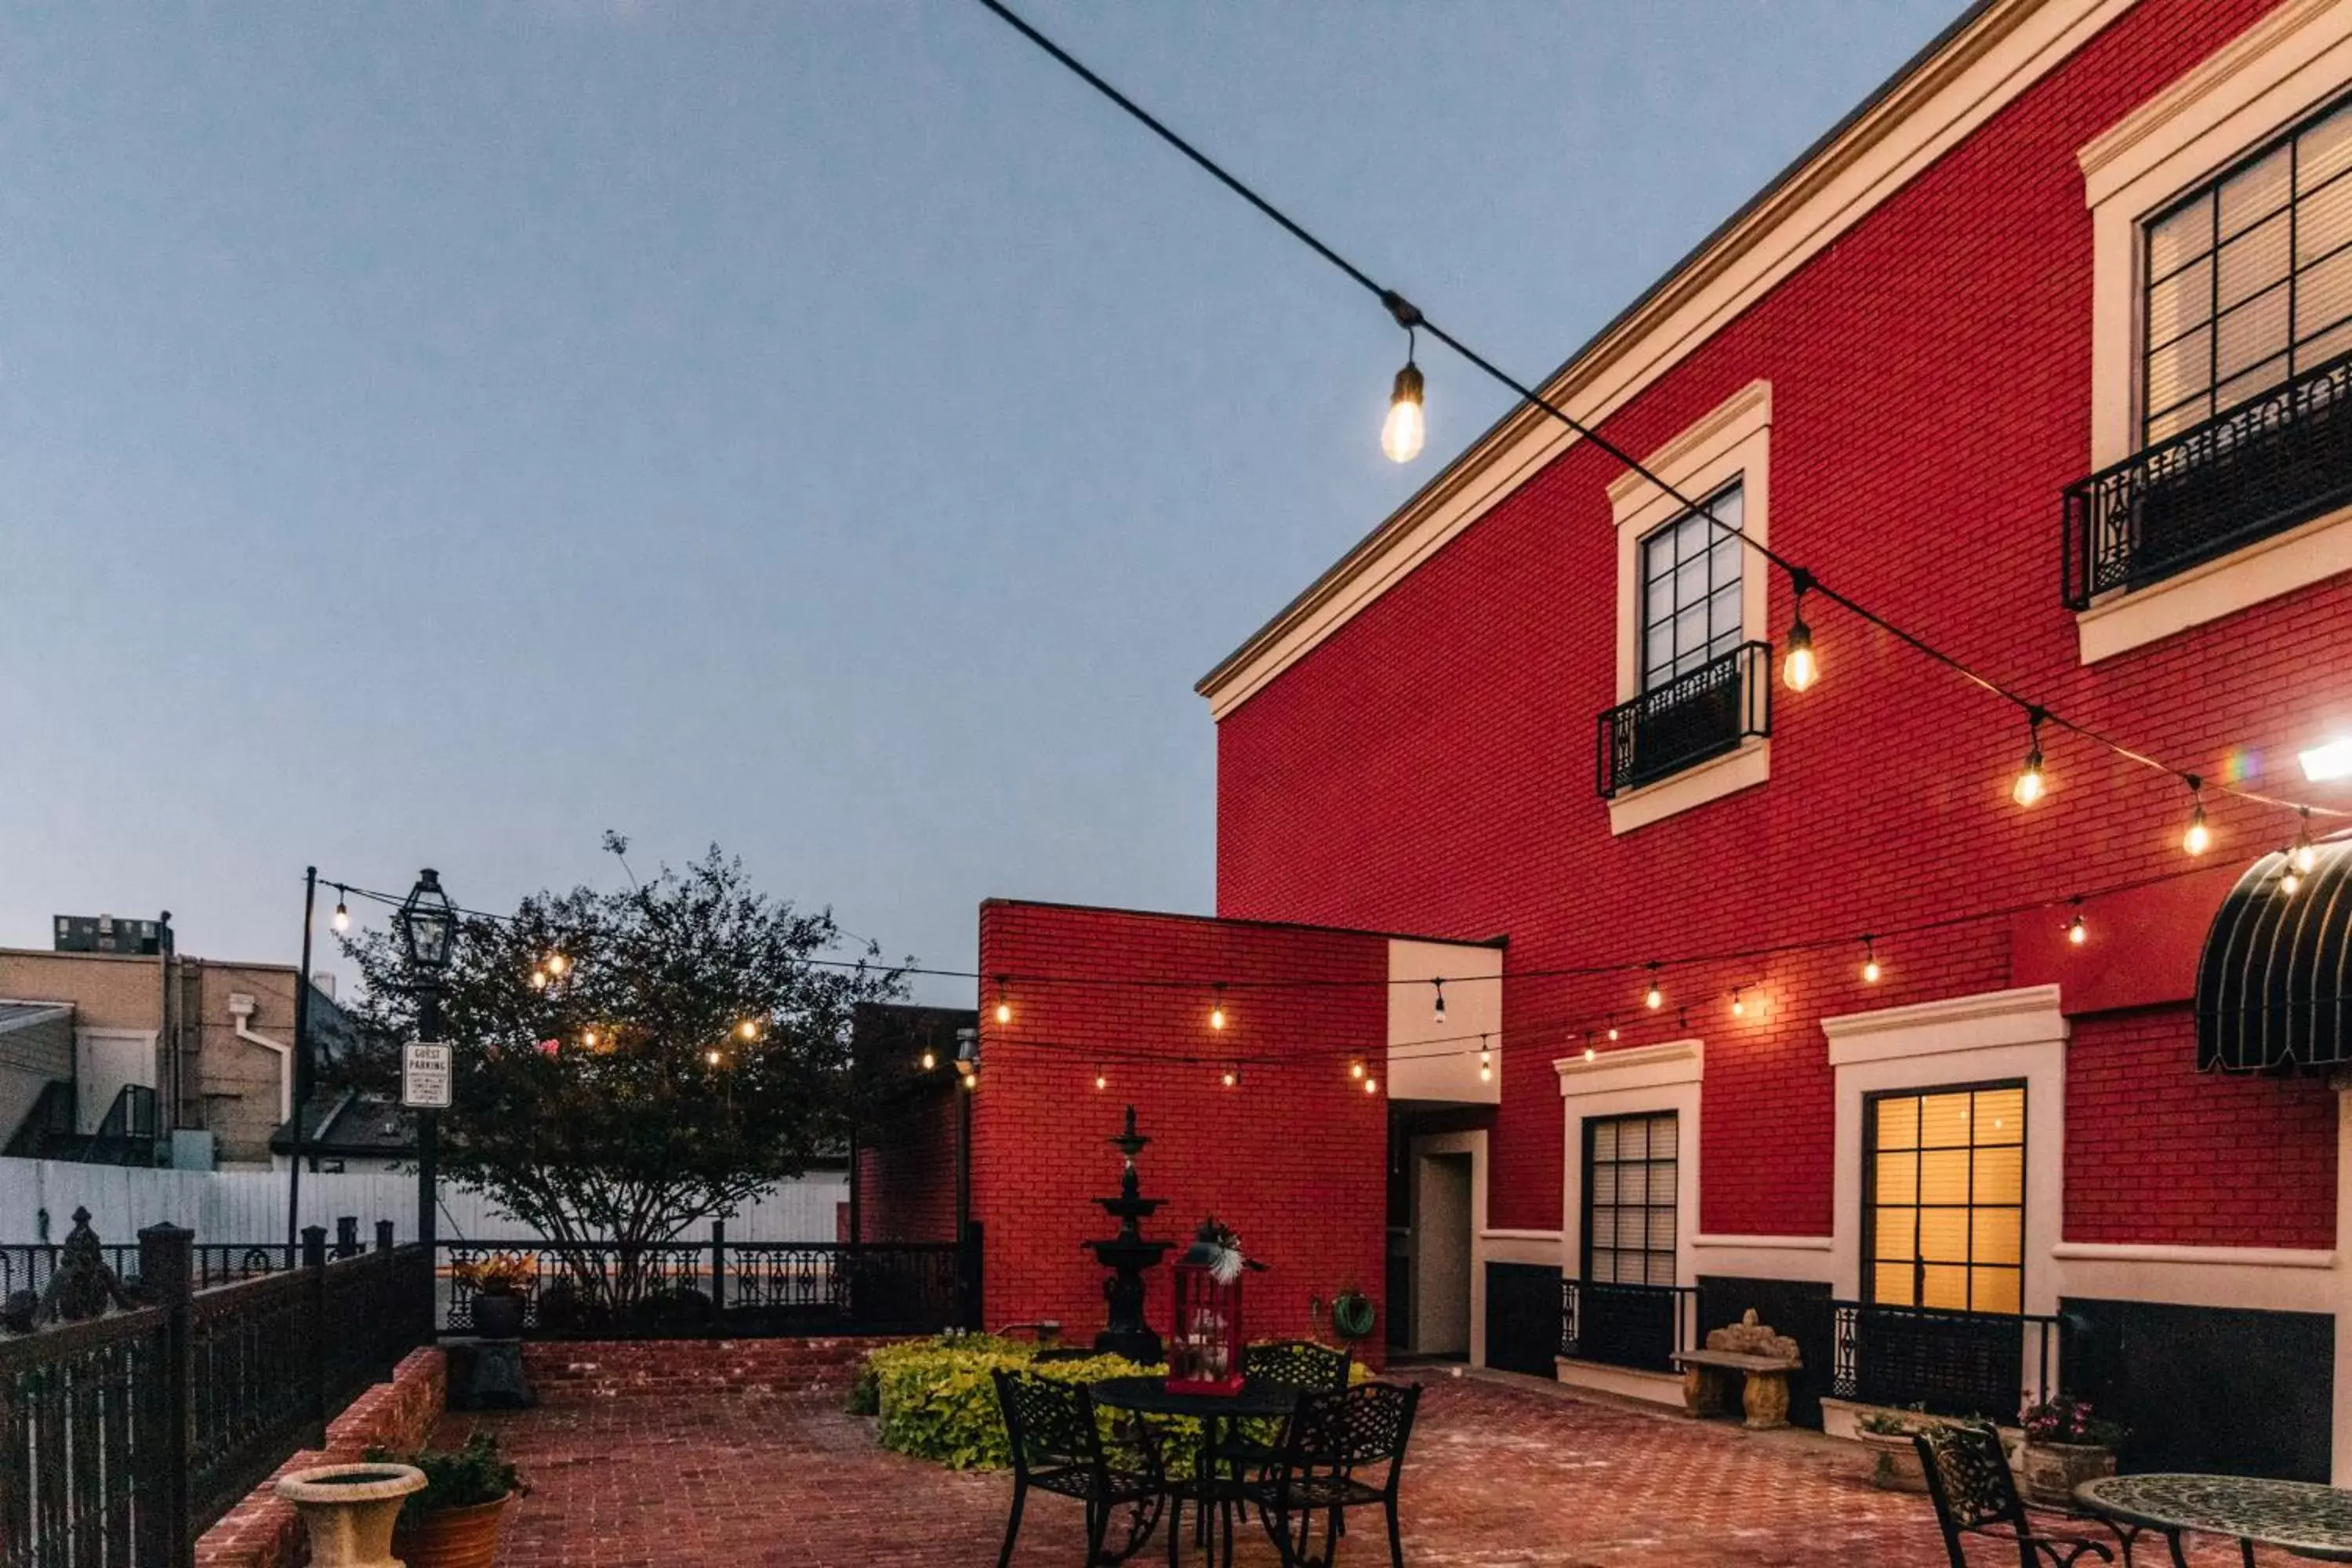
[
  {"x": 2301, "y": 1517},
  {"x": 1256, "y": 1399}
]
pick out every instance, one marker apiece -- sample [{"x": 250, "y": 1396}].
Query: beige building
[{"x": 103, "y": 1053}]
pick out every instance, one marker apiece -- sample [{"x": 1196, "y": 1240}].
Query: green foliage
[
  {"x": 1352, "y": 1315},
  {"x": 937, "y": 1397},
  {"x": 719, "y": 1064},
  {"x": 459, "y": 1478}
]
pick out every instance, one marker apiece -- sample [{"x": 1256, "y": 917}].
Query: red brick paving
[{"x": 1502, "y": 1472}]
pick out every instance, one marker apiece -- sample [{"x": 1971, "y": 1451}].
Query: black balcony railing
[
  {"x": 1639, "y": 1326},
  {"x": 2260, "y": 468},
  {"x": 1697, "y": 716},
  {"x": 1951, "y": 1363}
]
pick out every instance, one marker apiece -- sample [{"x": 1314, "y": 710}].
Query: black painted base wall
[
  {"x": 1522, "y": 1318},
  {"x": 1797, "y": 1308},
  {"x": 2226, "y": 1390}
]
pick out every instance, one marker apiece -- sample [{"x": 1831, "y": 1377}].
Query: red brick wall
[
  {"x": 1292, "y": 1157},
  {"x": 2221, "y": 1162},
  {"x": 1931, "y": 394},
  {"x": 562, "y": 1371},
  {"x": 906, "y": 1172}
]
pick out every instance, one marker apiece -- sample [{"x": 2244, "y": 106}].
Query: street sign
[{"x": 424, "y": 1077}]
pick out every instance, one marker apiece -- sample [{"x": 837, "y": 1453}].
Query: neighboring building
[
  {"x": 166, "y": 1059},
  {"x": 2046, "y": 352}
]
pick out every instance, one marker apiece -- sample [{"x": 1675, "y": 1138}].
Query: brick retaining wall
[
  {"x": 563, "y": 1370},
  {"x": 262, "y": 1532}
]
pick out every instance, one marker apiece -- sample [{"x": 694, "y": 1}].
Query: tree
[{"x": 627, "y": 1062}]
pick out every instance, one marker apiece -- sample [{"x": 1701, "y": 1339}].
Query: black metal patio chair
[
  {"x": 1320, "y": 1470},
  {"x": 1969, "y": 1480},
  {"x": 1058, "y": 1447},
  {"x": 1250, "y": 1446}
]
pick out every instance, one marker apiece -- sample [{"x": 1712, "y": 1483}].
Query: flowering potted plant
[
  {"x": 453, "y": 1522},
  {"x": 500, "y": 1282},
  {"x": 2066, "y": 1445},
  {"x": 1894, "y": 1466}
]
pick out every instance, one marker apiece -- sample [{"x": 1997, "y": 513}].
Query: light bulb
[
  {"x": 1655, "y": 999},
  {"x": 1612, "y": 1035},
  {"x": 1870, "y": 971},
  {"x": 1739, "y": 1004},
  {"x": 1801, "y": 670},
  {"x": 342, "y": 916},
  {"x": 931, "y": 1060},
  {"x": 1356, "y": 1070},
  {"x": 2076, "y": 932},
  {"x": 1101, "y": 1081},
  {"x": 1439, "y": 1014},
  {"x": 1217, "y": 1016},
  {"x": 589, "y": 1039},
  {"x": 1229, "y": 1078},
  {"x": 2289, "y": 881},
  {"x": 1371, "y": 1086},
  {"x": 711, "y": 1056},
  {"x": 1004, "y": 1012},
  {"x": 1486, "y": 1075},
  {"x": 539, "y": 980},
  {"x": 747, "y": 1029},
  {"x": 970, "y": 1081},
  {"x": 2199, "y": 838},
  {"x": 2030, "y": 785},
  {"x": 556, "y": 962},
  {"x": 1403, "y": 433},
  {"x": 1589, "y": 1053},
  {"x": 2305, "y": 858}
]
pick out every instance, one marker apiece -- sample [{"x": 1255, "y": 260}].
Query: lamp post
[{"x": 428, "y": 929}]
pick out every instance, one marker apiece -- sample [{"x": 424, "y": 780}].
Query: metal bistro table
[
  {"x": 1257, "y": 1399},
  {"x": 2301, "y": 1517}
]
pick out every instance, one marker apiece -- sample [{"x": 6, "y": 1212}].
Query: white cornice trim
[
  {"x": 1739, "y": 415},
  {"x": 2218, "y": 1256},
  {"x": 1766, "y": 1242},
  {"x": 1976, "y": 73},
  {"x": 1520, "y": 1235},
  {"x": 1985, "y": 1021},
  {"x": 1641, "y": 1066}
]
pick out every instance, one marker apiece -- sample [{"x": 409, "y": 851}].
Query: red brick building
[{"x": 2038, "y": 353}]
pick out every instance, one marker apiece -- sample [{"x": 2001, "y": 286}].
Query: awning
[{"x": 2274, "y": 986}]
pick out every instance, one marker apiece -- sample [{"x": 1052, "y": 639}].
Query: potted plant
[
  {"x": 1887, "y": 1435},
  {"x": 453, "y": 1522},
  {"x": 501, "y": 1282},
  {"x": 2065, "y": 1445}
]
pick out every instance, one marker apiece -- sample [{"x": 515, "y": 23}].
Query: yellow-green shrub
[{"x": 937, "y": 1397}]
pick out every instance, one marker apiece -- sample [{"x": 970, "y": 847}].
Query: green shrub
[
  {"x": 461, "y": 1477},
  {"x": 937, "y": 1397}
]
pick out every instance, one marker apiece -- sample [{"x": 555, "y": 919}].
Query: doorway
[{"x": 1439, "y": 1318}]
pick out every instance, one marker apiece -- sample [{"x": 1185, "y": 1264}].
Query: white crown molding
[
  {"x": 1738, "y": 417},
  {"x": 1640, "y": 1067},
  {"x": 1766, "y": 1243},
  {"x": 1988, "y": 1020},
  {"x": 2215, "y": 1257}
]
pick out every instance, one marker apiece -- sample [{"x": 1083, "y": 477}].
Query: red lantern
[{"x": 1205, "y": 1346}]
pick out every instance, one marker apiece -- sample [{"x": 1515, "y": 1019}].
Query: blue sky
[{"x": 435, "y": 435}]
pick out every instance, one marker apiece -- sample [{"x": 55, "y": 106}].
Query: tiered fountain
[{"x": 1127, "y": 1256}]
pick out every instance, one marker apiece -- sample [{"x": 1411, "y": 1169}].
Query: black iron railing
[
  {"x": 123, "y": 1436},
  {"x": 1639, "y": 1326},
  {"x": 2260, "y": 468},
  {"x": 599, "y": 1290},
  {"x": 1699, "y": 715},
  {"x": 1951, "y": 1363},
  {"x": 27, "y": 1265}
]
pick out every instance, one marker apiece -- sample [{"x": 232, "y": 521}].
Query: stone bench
[{"x": 1706, "y": 1385}]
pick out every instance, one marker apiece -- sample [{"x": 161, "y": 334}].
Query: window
[
  {"x": 1692, "y": 610},
  {"x": 1944, "y": 1184},
  {"x": 2250, "y": 278},
  {"x": 1629, "y": 1199}
]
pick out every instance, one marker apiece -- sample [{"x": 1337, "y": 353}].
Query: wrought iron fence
[
  {"x": 1699, "y": 715},
  {"x": 594, "y": 1289},
  {"x": 1639, "y": 1326},
  {"x": 28, "y": 1266},
  {"x": 2263, "y": 467},
  {"x": 1949, "y": 1363},
  {"x": 123, "y": 1436}
]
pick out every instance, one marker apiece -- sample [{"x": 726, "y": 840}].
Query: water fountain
[{"x": 1127, "y": 1256}]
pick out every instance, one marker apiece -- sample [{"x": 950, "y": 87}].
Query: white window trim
[
  {"x": 2244, "y": 94},
  {"x": 1644, "y": 1079},
  {"x": 1732, "y": 442}
]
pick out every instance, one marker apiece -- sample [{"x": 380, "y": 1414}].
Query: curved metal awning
[{"x": 2274, "y": 986}]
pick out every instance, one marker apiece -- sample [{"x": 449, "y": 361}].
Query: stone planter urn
[
  {"x": 497, "y": 1315},
  {"x": 2053, "y": 1470},
  {"x": 1895, "y": 1462},
  {"x": 454, "y": 1537},
  {"x": 348, "y": 1511}
]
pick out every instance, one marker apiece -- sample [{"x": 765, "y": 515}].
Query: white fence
[{"x": 250, "y": 1205}]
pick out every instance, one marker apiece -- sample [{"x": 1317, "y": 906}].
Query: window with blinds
[
  {"x": 1945, "y": 1190},
  {"x": 1629, "y": 1199},
  {"x": 2250, "y": 278},
  {"x": 1691, "y": 608}
]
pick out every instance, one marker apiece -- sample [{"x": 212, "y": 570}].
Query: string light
[
  {"x": 588, "y": 1038},
  {"x": 1738, "y": 1004},
  {"x": 557, "y": 963},
  {"x": 1589, "y": 1053},
  {"x": 1217, "y": 1009},
  {"x": 2076, "y": 932},
  {"x": 2306, "y": 858},
  {"x": 2031, "y": 785},
  {"x": 1102, "y": 1079},
  {"x": 930, "y": 1059},
  {"x": 1800, "y": 670},
  {"x": 1869, "y": 969},
  {"x": 1403, "y": 431},
  {"x": 539, "y": 980},
  {"x": 1612, "y": 1035},
  {"x": 1371, "y": 1086},
  {"x": 1233, "y": 1076},
  {"x": 2199, "y": 838},
  {"x": 1656, "y": 998},
  {"x": 2290, "y": 879},
  {"x": 1004, "y": 1003},
  {"x": 712, "y": 1057},
  {"x": 970, "y": 1081},
  {"x": 342, "y": 919},
  {"x": 747, "y": 1029},
  {"x": 1356, "y": 1067},
  {"x": 1486, "y": 1061},
  {"x": 1440, "y": 985}
]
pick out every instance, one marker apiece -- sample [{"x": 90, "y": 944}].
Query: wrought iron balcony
[
  {"x": 1952, "y": 1363},
  {"x": 2252, "y": 471},
  {"x": 1626, "y": 1325},
  {"x": 1699, "y": 715}
]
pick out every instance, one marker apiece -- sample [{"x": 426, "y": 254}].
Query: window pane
[
  {"x": 1994, "y": 1236},
  {"x": 1661, "y": 1267},
  {"x": 1944, "y": 1236},
  {"x": 1604, "y": 1228},
  {"x": 1690, "y": 586},
  {"x": 1944, "y": 1286},
  {"x": 2000, "y": 1176},
  {"x": 1898, "y": 1124},
  {"x": 2323, "y": 152},
  {"x": 1891, "y": 1283},
  {"x": 2324, "y": 295},
  {"x": 2254, "y": 333},
  {"x": 1723, "y": 612},
  {"x": 1663, "y": 1139},
  {"x": 1898, "y": 1178},
  {"x": 2252, "y": 384},
  {"x": 1996, "y": 1290},
  {"x": 2255, "y": 192},
  {"x": 2323, "y": 221},
  {"x": 1604, "y": 1142},
  {"x": 2186, "y": 234},
  {"x": 2000, "y": 1116},
  {"x": 2179, "y": 419},
  {"x": 1660, "y": 603},
  {"x": 1728, "y": 508},
  {"x": 1944, "y": 1121},
  {"x": 1690, "y": 635},
  {"x": 1690, "y": 539},
  {"x": 2182, "y": 301},
  {"x": 1725, "y": 563},
  {"x": 2325, "y": 346},
  {"x": 1662, "y": 1231},
  {"x": 2254, "y": 260},
  {"x": 2179, "y": 369},
  {"x": 1604, "y": 1181},
  {"x": 1944, "y": 1176},
  {"x": 1895, "y": 1233}
]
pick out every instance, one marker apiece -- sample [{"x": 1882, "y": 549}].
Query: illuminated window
[
  {"x": 1944, "y": 1216},
  {"x": 1629, "y": 1199}
]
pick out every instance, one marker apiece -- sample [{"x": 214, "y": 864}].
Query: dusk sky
[{"x": 434, "y": 435}]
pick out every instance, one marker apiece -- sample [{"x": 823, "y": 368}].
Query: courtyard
[{"x": 1503, "y": 1470}]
